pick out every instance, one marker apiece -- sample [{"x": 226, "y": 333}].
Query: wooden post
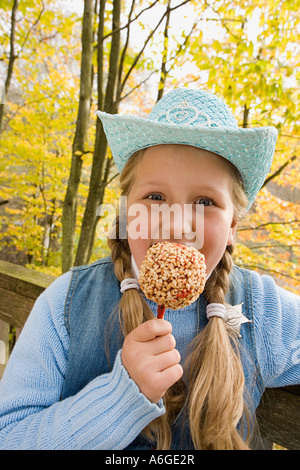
[
  {"x": 4, "y": 345},
  {"x": 278, "y": 416},
  {"x": 19, "y": 288}
]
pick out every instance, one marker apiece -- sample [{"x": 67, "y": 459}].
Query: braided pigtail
[
  {"x": 214, "y": 369},
  {"x": 134, "y": 310},
  {"x": 215, "y": 375}
]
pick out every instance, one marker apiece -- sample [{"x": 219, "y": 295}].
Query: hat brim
[{"x": 250, "y": 150}]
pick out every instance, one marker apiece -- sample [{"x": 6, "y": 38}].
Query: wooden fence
[{"x": 278, "y": 414}]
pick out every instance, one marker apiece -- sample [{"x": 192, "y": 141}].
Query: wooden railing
[{"x": 278, "y": 414}]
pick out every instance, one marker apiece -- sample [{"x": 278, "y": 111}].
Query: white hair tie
[
  {"x": 215, "y": 310},
  {"x": 129, "y": 283},
  {"x": 232, "y": 315}
]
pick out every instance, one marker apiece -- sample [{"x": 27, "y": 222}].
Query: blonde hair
[{"x": 214, "y": 397}]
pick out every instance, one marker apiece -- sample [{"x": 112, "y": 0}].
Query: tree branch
[
  {"x": 137, "y": 57},
  {"x": 129, "y": 22},
  {"x": 277, "y": 172},
  {"x": 148, "y": 39},
  {"x": 258, "y": 247},
  {"x": 163, "y": 70},
  {"x": 111, "y": 179},
  {"x": 123, "y": 55},
  {"x": 12, "y": 58},
  {"x": 138, "y": 85},
  {"x": 243, "y": 229},
  {"x": 31, "y": 28},
  {"x": 181, "y": 46},
  {"x": 268, "y": 270},
  {"x": 238, "y": 39}
]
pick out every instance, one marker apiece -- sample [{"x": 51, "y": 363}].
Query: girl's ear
[{"x": 232, "y": 231}]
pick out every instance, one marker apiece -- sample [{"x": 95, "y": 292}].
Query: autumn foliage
[{"x": 246, "y": 52}]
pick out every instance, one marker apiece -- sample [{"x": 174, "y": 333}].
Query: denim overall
[{"x": 95, "y": 337}]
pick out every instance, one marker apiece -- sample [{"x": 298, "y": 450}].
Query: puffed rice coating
[{"x": 173, "y": 275}]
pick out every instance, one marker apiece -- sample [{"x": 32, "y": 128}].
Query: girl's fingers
[
  {"x": 150, "y": 358},
  {"x": 169, "y": 376},
  {"x": 162, "y": 344},
  {"x": 151, "y": 329},
  {"x": 165, "y": 360}
]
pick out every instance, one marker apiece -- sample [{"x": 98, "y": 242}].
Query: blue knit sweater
[{"x": 110, "y": 411}]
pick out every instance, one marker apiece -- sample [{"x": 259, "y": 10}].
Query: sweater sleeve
[
  {"x": 277, "y": 332},
  {"x": 108, "y": 413}
]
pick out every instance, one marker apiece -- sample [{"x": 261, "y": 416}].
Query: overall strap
[
  {"x": 91, "y": 320},
  {"x": 241, "y": 291}
]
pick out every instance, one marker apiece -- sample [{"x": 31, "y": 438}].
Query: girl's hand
[{"x": 150, "y": 358}]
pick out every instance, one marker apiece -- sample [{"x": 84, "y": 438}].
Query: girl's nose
[{"x": 181, "y": 224}]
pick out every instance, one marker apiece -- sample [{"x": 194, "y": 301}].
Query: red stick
[{"x": 161, "y": 311}]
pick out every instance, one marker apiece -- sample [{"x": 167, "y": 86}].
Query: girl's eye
[
  {"x": 154, "y": 197},
  {"x": 204, "y": 201}
]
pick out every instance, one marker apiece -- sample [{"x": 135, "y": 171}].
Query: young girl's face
[{"x": 180, "y": 174}]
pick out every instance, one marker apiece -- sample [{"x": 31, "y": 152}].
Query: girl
[{"x": 82, "y": 378}]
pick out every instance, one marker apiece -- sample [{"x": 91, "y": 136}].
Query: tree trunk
[
  {"x": 97, "y": 174},
  {"x": 246, "y": 116},
  {"x": 12, "y": 58},
  {"x": 78, "y": 148},
  {"x": 163, "y": 72}
]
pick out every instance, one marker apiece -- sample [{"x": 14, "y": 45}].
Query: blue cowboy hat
[{"x": 199, "y": 119}]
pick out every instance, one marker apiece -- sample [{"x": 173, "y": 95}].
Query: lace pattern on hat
[{"x": 184, "y": 113}]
